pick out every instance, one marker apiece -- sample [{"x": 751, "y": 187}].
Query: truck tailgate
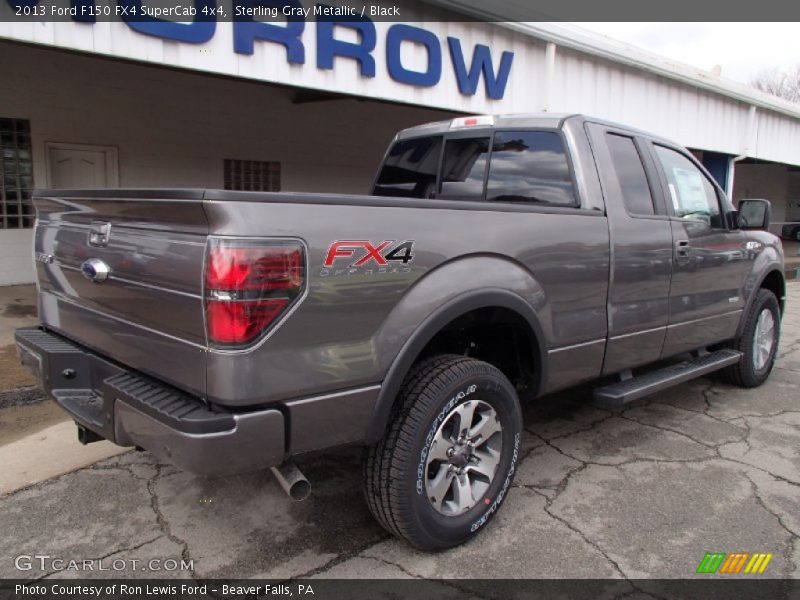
[{"x": 148, "y": 312}]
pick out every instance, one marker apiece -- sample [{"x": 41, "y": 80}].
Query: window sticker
[{"x": 691, "y": 193}]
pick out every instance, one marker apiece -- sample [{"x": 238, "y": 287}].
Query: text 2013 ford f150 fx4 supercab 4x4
[{"x": 497, "y": 258}]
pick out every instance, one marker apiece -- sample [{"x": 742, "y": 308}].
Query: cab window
[
  {"x": 690, "y": 193},
  {"x": 464, "y": 168},
  {"x": 630, "y": 175},
  {"x": 410, "y": 168},
  {"x": 529, "y": 166}
]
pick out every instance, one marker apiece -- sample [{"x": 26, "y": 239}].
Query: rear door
[
  {"x": 147, "y": 313},
  {"x": 641, "y": 249},
  {"x": 711, "y": 265}
]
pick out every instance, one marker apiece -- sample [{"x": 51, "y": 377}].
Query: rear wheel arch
[{"x": 414, "y": 347}]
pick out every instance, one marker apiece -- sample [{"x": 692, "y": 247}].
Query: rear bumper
[{"x": 130, "y": 409}]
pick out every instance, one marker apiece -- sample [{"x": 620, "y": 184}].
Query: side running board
[{"x": 622, "y": 392}]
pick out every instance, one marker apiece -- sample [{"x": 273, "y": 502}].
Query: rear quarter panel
[{"x": 350, "y": 326}]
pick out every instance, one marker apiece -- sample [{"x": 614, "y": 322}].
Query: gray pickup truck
[{"x": 497, "y": 259}]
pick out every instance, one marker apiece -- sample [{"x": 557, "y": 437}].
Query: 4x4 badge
[{"x": 362, "y": 252}]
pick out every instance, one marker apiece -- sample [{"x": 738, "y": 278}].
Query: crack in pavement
[
  {"x": 163, "y": 523},
  {"x": 664, "y": 428},
  {"x": 795, "y": 345},
  {"x": 444, "y": 582},
  {"x": 715, "y": 448},
  {"x": 790, "y": 369},
  {"x": 105, "y": 556},
  {"x": 750, "y": 448},
  {"x": 611, "y": 414},
  {"x": 393, "y": 564},
  {"x": 780, "y": 413},
  {"x": 340, "y": 558},
  {"x": 763, "y": 504},
  {"x": 793, "y": 536},
  {"x": 740, "y": 422},
  {"x": 576, "y": 530}
]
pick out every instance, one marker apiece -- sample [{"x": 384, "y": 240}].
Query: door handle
[{"x": 682, "y": 250}]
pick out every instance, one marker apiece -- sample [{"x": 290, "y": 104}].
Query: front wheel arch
[{"x": 772, "y": 280}]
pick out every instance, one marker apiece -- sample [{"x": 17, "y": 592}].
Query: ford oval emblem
[{"x": 95, "y": 269}]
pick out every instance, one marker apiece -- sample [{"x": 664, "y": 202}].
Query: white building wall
[
  {"x": 16, "y": 256},
  {"x": 691, "y": 116},
  {"x": 690, "y": 106},
  {"x": 174, "y": 129}
]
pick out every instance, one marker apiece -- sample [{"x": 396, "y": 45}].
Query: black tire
[
  {"x": 745, "y": 373},
  {"x": 395, "y": 469}
]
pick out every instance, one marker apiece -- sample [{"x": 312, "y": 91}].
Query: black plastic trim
[
  {"x": 174, "y": 408},
  {"x": 431, "y": 326}
]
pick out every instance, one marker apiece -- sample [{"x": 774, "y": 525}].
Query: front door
[{"x": 710, "y": 260}]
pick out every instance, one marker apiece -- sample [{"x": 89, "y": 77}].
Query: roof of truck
[
  {"x": 543, "y": 120},
  {"x": 547, "y": 120}
]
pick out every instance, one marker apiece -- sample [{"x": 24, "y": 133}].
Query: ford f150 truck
[{"x": 497, "y": 258}]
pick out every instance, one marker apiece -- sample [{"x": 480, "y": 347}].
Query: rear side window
[
  {"x": 464, "y": 168},
  {"x": 529, "y": 166},
  {"x": 410, "y": 168},
  {"x": 630, "y": 174}
]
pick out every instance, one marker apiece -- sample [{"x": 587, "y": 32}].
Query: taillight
[{"x": 249, "y": 284}]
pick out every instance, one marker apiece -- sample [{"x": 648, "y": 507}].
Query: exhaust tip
[
  {"x": 292, "y": 480},
  {"x": 300, "y": 490}
]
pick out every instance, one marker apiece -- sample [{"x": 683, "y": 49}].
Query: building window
[
  {"x": 16, "y": 174},
  {"x": 252, "y": 175}
]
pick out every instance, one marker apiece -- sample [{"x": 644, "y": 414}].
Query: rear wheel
[
  {"x": 448, "y": 458},
  {"x": 758, "y": 342}
]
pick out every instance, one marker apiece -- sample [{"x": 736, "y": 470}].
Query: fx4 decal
[{"x": 362, "y": 253}]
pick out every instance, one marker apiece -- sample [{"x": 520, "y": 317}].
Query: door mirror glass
[{"x": 754, "y": 214}]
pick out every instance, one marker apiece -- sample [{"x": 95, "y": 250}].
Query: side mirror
[{"x": 754, "y": 213}]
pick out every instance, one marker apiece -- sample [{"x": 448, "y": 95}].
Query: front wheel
[
  {"x": 448, "y": 458},
  {"x": 758, "y": 342}
]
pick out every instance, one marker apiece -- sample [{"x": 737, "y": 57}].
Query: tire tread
[
  {"x": 741, "y": 374},
  {"x": 385, "y": 463}
]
